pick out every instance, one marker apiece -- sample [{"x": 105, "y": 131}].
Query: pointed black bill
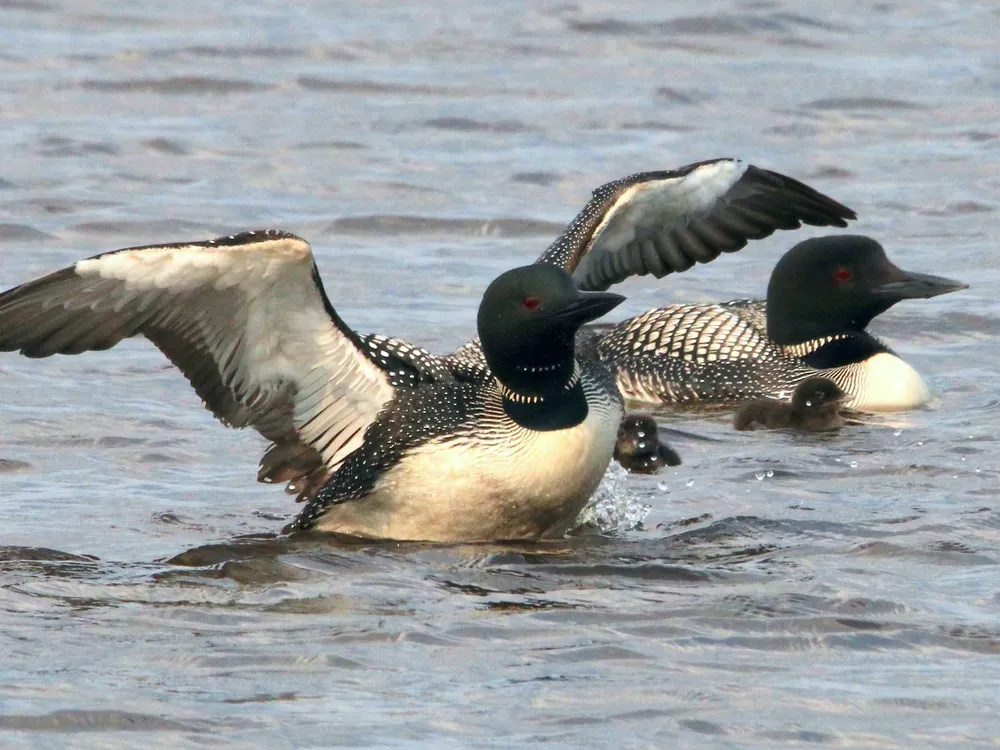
[
  {"x": 918, "y": 286},
  {"x": 589, "y": 306}
]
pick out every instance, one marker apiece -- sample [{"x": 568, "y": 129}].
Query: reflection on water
[{"x": 775, "y": 590}]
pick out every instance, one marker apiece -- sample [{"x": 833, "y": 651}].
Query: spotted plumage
[
  {"x": 467, "y": 430},
  {"x": 690, "y": 353},
  {"x": 821, "y": 297},
  {"x": 405, "y": 365},
  {"x": 358, "y": 421},
  {"x": 467, "y": 361}
]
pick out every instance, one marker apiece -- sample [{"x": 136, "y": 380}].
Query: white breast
[
  {"x": 883, "y": 382},
  {"x": 519, "y": 484}
]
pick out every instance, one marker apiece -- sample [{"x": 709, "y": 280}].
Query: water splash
[{"x": 612, "y": 510}]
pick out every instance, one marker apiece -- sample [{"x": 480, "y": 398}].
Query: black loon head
[
  {"x": 527, "y": 324},
  {"x": 830, "y": 285},
  {"x": 818, "y": 395}
]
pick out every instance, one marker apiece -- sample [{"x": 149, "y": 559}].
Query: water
[{"x": 782, "y": 591}]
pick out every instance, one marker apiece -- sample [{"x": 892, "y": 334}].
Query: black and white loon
[
  {"x": 384, "y": 441},
  {"x": 822, "y": 295},
  {"x": 380, "y": 437}
]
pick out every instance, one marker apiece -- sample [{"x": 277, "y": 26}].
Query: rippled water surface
[{"x": 782, "y": 591}]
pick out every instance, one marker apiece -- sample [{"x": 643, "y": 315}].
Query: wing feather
[
  {"x": 247, "y": 321},
  {"x": 690, "y": 215}
]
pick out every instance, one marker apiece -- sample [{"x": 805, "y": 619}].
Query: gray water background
[{"x": 783, "y": 591}]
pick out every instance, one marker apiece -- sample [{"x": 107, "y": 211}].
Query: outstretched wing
[
  {"x": 664, "y": 222},
  {"x": 246, "y": 320}
]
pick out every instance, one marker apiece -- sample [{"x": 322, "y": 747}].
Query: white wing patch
[
  {"x": 664, "y": 222},
  {"x": 243, "y": 317},
  {"x": 658, "y": 205}
]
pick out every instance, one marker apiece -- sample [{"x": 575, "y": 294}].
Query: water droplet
[
  {"x": 662, "y": 487},
  {"x": 760, "y": 475},
  {"x": 690, "y": 482},
  {"x": 611, "y": 508},
  {"x": 770, "y": 473},
  {"x": 920, "y": 442},
  {"x": 898, "y": 432},
  {"x": 854, "y": 464}
]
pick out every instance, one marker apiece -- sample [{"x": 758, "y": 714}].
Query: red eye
[
  {"x": 530, "y": 303},
  {"x": 842, "y": 274}
]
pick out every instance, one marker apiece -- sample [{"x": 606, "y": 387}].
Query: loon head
[
  {"x": 527, "y": 322},
  {"x": 830, "y": 285},
  {"x": 818, "y": 394}
]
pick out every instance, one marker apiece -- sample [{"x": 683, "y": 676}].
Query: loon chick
[
  {"x": 639, "y": 448},
  {"x": 397, "y": 445},
  {"x": 815, "y": 407},
  {"x": 822, "y": 295}
]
